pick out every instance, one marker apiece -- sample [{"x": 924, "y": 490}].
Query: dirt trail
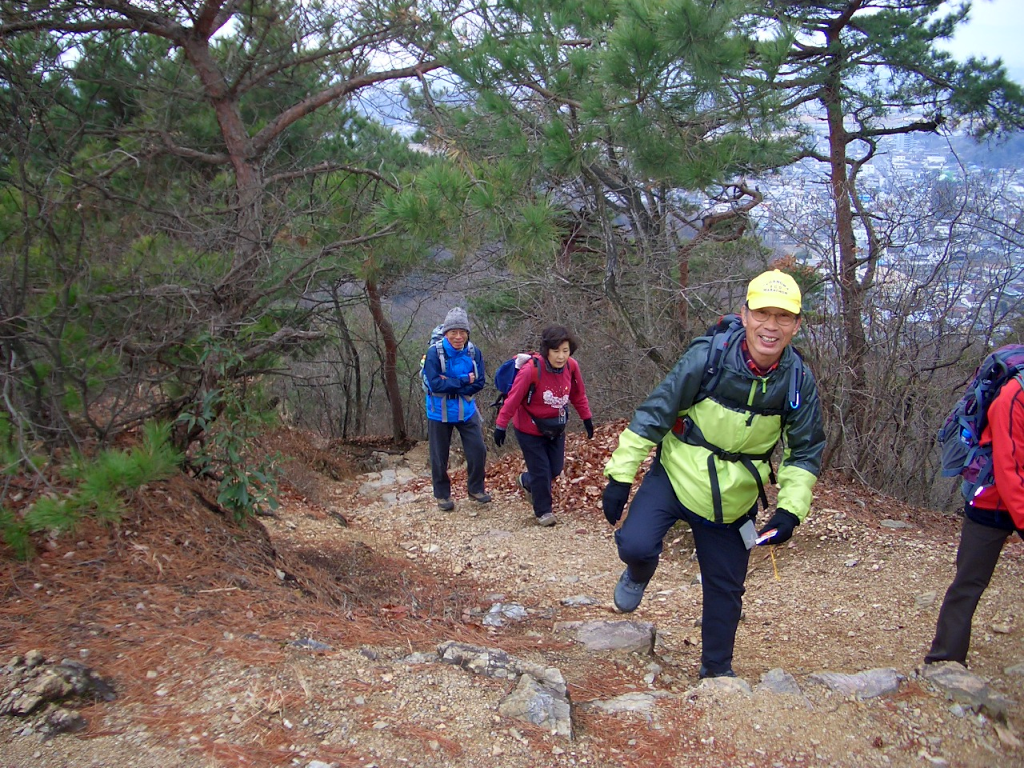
[{"x": 848, "y": 595}]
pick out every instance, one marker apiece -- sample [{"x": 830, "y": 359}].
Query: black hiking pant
[
  {"x": 976, "y": 558},
  {"x": 545, "y": 459},
  {"x": 721, "y": 554},
  {"x": 439, "y": 435}
]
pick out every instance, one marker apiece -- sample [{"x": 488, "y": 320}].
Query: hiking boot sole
[{"x": 704, "y": 674}]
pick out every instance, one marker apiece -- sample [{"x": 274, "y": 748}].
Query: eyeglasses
[{"x": 782, "y": 319}]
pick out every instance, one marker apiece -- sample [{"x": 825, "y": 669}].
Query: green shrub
[
  {"x": 99, "y": 485},
  {"x": 16, "y": 534},
  {"x": 231, "y": 416},
  {"x": 14, "y": 456}
]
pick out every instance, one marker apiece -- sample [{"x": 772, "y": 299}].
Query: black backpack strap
[
  {"x": 796, "y": 378},
  {"x": 690, "y": 433},
  {"x": 722, "y": 337}
]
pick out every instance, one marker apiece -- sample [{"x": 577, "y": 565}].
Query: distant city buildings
[{"x": 946, "y": 223}]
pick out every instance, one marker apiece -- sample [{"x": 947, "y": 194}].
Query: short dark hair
[{"x": 553, "y": 337}]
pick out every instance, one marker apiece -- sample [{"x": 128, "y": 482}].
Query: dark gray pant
[
  {"x": 980, "y": 546},
  {"x": 439, "y": 434},
  {"x": 721, "y": 554}
]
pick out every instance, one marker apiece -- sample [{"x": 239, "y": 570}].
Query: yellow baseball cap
[{"x": 774, "y": 289}]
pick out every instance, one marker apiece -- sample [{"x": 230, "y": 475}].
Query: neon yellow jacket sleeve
[{"x": 626, "y": 459}]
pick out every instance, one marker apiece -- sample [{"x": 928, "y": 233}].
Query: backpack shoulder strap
[
  {"x": 721, "y": 339},
  {"x": 535, "y": 360},
  {"x": 796, "y": 379},
  {"x": 574, "y": 371},
  {"x": 439, "y": 346}
]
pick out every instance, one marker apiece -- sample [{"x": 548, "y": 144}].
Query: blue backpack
[
  {"x": 958, "y": 438},
  {"x": 506, "y": 374}
]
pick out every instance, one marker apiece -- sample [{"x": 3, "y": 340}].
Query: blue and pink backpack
[{"x": 960, "y": 434}]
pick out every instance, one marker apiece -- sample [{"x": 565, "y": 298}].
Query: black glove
[
  {"x": 783, "y": 521},
  {"x": 499, "y": 436},
  {"x": 588, "y": 424},
  {"x": 616, "y": 494}
]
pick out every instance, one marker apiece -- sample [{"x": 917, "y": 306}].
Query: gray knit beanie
[{"x": 456, "y": 318}]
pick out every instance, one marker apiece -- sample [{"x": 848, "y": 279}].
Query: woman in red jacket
[
  {"x": 990, "y": 518},
  {"x": 538, "y": 407}
]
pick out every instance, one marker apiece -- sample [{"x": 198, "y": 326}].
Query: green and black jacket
[{"x": 743, "y": 419}]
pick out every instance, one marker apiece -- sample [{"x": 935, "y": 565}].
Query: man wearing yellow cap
[{"x": 715, "y": 421}]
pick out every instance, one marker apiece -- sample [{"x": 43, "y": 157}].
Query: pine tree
[{"x": 872, "y": 69}]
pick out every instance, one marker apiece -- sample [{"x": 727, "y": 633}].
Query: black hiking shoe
[
  {"x": 703, "y": 673},
  {"x": 445, "y": 505}
]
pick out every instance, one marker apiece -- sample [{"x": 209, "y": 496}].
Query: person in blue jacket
[{"x": 454, "y": 372}]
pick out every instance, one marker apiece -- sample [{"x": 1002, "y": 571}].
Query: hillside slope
[{"x": 310, "y": 638}]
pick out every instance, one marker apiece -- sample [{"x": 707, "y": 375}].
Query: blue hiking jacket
[{"x": 450, "y": 398}]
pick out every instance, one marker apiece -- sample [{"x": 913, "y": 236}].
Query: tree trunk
[
  {"x": 684, "y": 284},
  {"x": 387, "y": 334},
  {"x": 352, "y": 382},
  {"x": 851, "y": 292},
  {"x": 239, "y": 282},
  {"x": 611, "y": 290}
]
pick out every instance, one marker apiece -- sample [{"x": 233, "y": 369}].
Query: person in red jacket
[
  {"x": 538, "y": 407},
  {"x": 989, "y": 519}
]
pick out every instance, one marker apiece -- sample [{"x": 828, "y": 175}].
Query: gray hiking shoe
[
  {"x": 526, "y": 488},
  {"x": 628, "y": 593},
  {"x": 481, "y": 498},
  {"x": 546, "y": 520},
  {"x": 445, "y": 505}
]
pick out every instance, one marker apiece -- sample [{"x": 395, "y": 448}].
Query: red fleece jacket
[
  {"x": 556, "y": 390},
  {"x": 1005, "y": 430}
]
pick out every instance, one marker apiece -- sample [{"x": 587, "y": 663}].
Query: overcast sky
[{"x": 996, "y": 30}]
